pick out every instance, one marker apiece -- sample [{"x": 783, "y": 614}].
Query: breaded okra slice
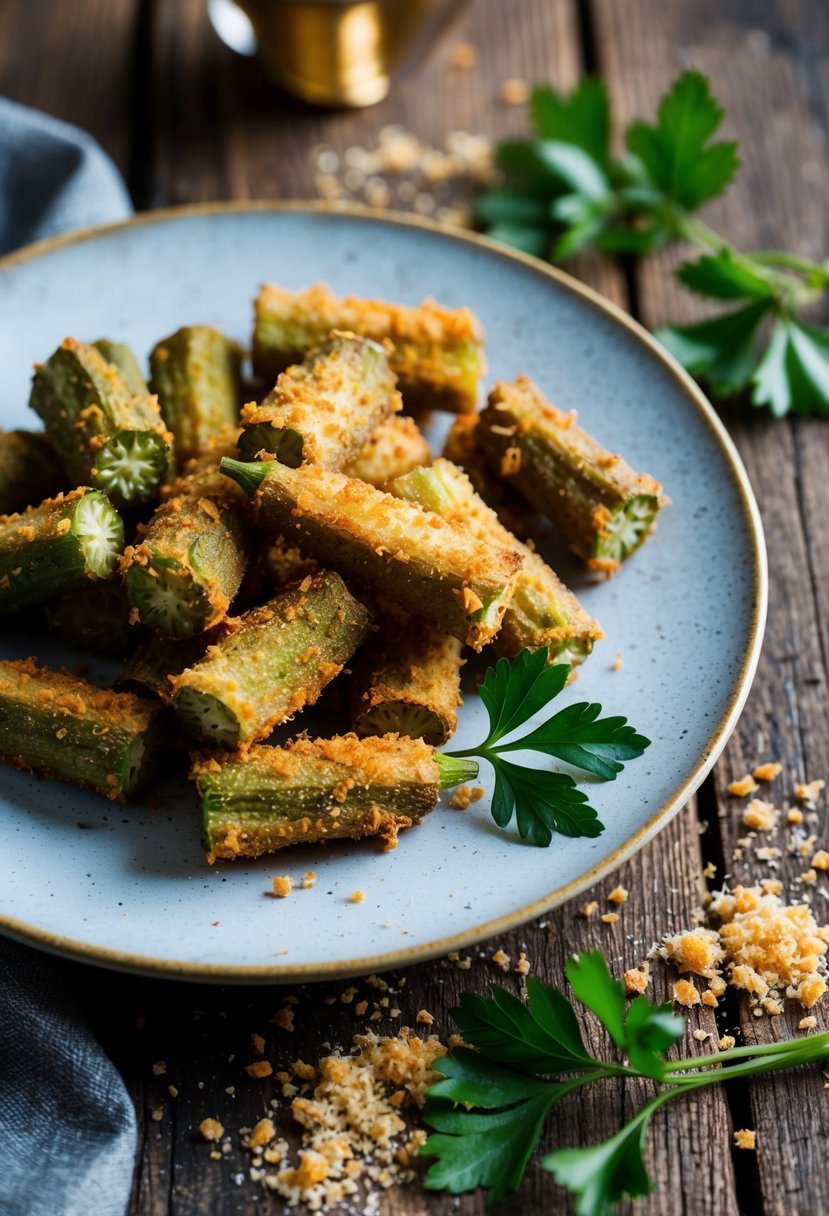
[
  {"x": 542, "y": 611},
  {"x": 407, "y": 681},
  {"x": 96, "y": 617},
  {"x": 195, "y": 373},
  {"x": 397, "y": 446},
  {"x": 437, "y": 353},
  {"x": 324, "y": 410},
  {"x": 107, "y": 435},
  {"x": 59, "y": 725},
  {"x": 123, "y": 357},
  {"x": 317, "y": 790},
  {"x": 188, "y": 566},
  {"x": 276, "y": 660},
  {"x": 603, "y": 509},
  {"x": 151, "y": 667},
  {"x": 30, "y": 470},
  {"x": 57, "y": 547},
  {"x": 394, "y": 548}
]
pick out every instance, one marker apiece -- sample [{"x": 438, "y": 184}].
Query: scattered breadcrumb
[
  {"x": 282, "y": 886},
  {"x": 356, "y": 897},
  {"x": 609, "y": 918},
  {"x": 809, "y": 877},
  {"x": 159, "y": 1068},
  {"x": 809, "y": 791},
  {"x": 808, "y": 1023},
  {"x": 157, "y": 1114},
  {"x": 588, "y": 909},
  {"x": 211, "y": 1129},
  {"x": 172, "y": 1091},
  {"x": 726, "y": 1042},
  {"x": 618, "y": 895},
  {"x": 284, "y": 1018},
  {"x": 515, "y": 92},
  {"x": 464, "y": 796},
  {"x": 500, "y": 959},
  {"x": 760, "y": 816},
  {"x": 464, "y": 56},
  {"x": 794, "y": 815},
  {"x": 742, "y": 786},
  {"x": 636, "y": 980},
  {"x": 257, "y": 1043},
  {"x": 709, "y": 999},
  {"x": 308, "y": 880},
  {"x": 700, "y": 1035},
  {"x": 710, "y": 870},
  {"x": 522, "y": 967},
  {"x": 618, "y": 662},
  {"x": 262, "y": 1134},
  {"x": 425, "y": 1018},
  {"x": 259, "y": 1069},
  {"x": 768, "y": 771},
  {"x": 745, "y": 1138},
  {"x": 820, "y": 861},
  {"x": 697, "y": 950},
  {"x": 685, "y": 993}
]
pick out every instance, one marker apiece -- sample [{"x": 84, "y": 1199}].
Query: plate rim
[{"x": 289, "y": 972}]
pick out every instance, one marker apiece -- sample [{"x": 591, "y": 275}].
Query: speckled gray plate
[{"x": 128, "y": 886}]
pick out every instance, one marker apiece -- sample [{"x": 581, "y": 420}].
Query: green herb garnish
[
  {"x": 489, "y": 1109},
  {"x": 540, "y": 800},
  {"x": 565, "y": 191}
]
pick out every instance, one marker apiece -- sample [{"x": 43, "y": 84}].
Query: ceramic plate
[{"x": 127, "y": 886}]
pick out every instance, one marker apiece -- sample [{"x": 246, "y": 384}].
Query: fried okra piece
[
  {"x": 603, "y": 509},
  {"x": 192, "y": 556},
  {"x": 30, "y": 470},
  {"x": 394, "y": 548},
  {"x": 437, "y": 353},
  {"x": 59, "y": 725},
  {"x": 397, "y": 446},
  {"x": 324, "y": 410},
  {"x": 57, "y": 547},
  {"x": 122, "y": 356},
  {"x": 542, "y": 611},
  {"x": 318, "y": 790},
  {"x": 196, "y": 374},
  {"x": 276, "y": 660},
  {"x": 96, "y": 617},
  {"x": 153, "y": 664},
  {"x": 462, "y": 448},
  {"x": 107, "y": 435},
  {"x": 407, "y": 681}
]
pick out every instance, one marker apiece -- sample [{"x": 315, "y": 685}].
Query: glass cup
[{"x": 334, "y": 52}]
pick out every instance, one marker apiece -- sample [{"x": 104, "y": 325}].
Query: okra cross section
[
  {"x": 398, "y": 550},
  {"x": 407, "y": 681},
  {"x": 61, "y": 726},
  {"x": 108, "y": 436},
  {"x": 397, "y": 446},
  {"x": 57, "y": 547},
  {"x": 602, "y": 508},
  {"x": 317, "y": 790},
  {"x": 437, "y": 353},
  {"x": 325, "y": 409},
  {"x": 195, "y": 373},
  {"x": 542, "y": 611},
  {"x": 275, "y": 661}
]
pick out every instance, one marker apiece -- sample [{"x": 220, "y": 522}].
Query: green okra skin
[
  {"x": 406, "y": 680},
  {"x": 276, "y": 660},
  {"x": 318, "y": 790},
  {"x": 324, "y": 410},
  {"x": 189, "y": 564},
  {"x": 96, "y": 617},
  {"x": 30, "y": 470},
  {"x": 196, "y": 374},
  {"x": 396, "y": 549},
  {"x": 462, "y": 448},
  {"x": 152, "y": 666},
  {"x": 123, "y": 357},
  {"x": 542, "y": 610},
  {"x": 62, "y": 726},
  {"x": 57, "y": 547},
  {"x": 436, "y": 353},
  {"x": 602, "y": 508},
  {"x": 107, "y": 436}
]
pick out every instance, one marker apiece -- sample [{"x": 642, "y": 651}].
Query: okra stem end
[
  {"x": 247, "y": 474},
  {"x": 454, "y": 770}
]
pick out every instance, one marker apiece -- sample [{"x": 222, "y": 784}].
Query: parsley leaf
[
  {"x": 725, "y": 350},
  {"x": 726, "y": 276},
  {"x": 675, "y": 152},
  {"x": 580, "y": 737},
  {"x": 514, "y": 690},
  {"x": 582, "y": 118},
  {"x": 794, "y": 372},
  {"x": 542, "y": 803},
  {"x": 541, "y": 1036},
  {"x": 602, "y": 1175}
]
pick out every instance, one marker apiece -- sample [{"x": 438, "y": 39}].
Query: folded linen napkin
[{"x": 67, "y": 1126}]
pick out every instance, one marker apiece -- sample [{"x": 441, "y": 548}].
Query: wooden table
[{"x": 188, "y": 121}]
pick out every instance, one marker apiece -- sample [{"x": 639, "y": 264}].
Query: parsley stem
[
  {"x": 817, "y": 1044},
  {"x": 786, "y": 1058}
]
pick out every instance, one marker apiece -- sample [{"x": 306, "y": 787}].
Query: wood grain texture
[
  {"x": 74, "y": 61},
  {"x": 767, "y": 65}
]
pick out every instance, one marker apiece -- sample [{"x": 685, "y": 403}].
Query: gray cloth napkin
[{"x": 67, "y": 1126}]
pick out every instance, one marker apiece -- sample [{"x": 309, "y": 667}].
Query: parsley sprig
[
  {"x": 565, "y": 191},
  {"x": 543, "y": 801},
  {"x": 489, "y": 1108}
]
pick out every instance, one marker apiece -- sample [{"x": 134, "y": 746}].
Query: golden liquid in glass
[{"x": 343, "y": 52}]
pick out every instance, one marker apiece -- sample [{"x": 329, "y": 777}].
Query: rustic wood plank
[
  {"x": 74, "y": 61},
  {"x": 764, "y": 64}
]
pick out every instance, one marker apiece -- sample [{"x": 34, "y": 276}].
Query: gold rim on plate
[{"x": 287, "y": 972}]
